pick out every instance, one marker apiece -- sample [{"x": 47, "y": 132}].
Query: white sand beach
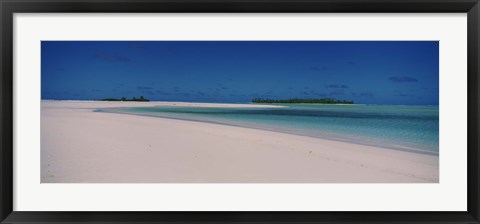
[{"x": 79, "y": 145}]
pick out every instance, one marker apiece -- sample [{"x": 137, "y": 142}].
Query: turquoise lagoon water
[{"x": 411, "y": 128}]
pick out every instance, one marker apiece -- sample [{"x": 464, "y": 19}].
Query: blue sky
[{"x": 372, "y": 72}]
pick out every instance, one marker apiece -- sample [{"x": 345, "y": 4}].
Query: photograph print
[{"x": 239, "y": 112}]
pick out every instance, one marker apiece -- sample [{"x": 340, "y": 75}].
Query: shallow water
[{"x": 411, "y": 128}]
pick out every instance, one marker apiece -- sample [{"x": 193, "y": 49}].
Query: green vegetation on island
[
  {"x": 297, "y": 100},
  {"x": 141, "y": 99}
]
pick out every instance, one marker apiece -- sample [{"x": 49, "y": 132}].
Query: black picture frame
[{"x": 9, "y": 7}]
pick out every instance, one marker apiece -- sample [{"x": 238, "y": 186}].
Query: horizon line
[{"x": 237, "y": 102}]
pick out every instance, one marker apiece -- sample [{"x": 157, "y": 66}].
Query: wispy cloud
[
  {"x": 313, "y": 93},
  {"x": 402, "y": 79},
  {"x": 336, "y": 86},
  {"x": 366, "y": 94},
  {"x": 144, "y": 88}
]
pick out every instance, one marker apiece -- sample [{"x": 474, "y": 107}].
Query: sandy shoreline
[{"x": 81, "y": 146}]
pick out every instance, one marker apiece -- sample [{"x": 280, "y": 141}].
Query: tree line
[{"x": 141, "y": 99}]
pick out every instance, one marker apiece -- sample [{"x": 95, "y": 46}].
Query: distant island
[
  {"x": 296, "y": 100},
  {"x": 141, "y": 99}
]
